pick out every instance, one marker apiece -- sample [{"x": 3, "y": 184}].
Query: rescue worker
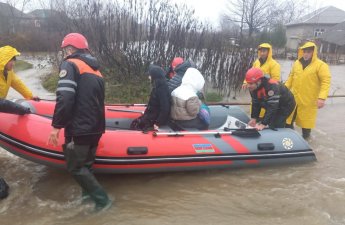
[
  {"x": 309, "y": 81},
  {"x": 271, "y": 95},
  {"x": 267, "y": 64},
  {"x": 175, "y": 62},
  {"x": 8, "y": 78},
  {"x": 80, "y": 110},
  {"x": 180, "y": 70}
]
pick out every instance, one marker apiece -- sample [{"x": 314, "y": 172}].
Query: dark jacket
[
  {"x": 274, "y": 97},
  {"x": 180, "y": 70},
  {"x": 80, "y": 97},
  {"x": 158, "y": 107}
]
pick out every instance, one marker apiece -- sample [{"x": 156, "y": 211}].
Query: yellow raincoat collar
[
  {"x": 6, "y": 54},
  {"x": 266, "y": 45},
  {"x": 307, "y": 45}
]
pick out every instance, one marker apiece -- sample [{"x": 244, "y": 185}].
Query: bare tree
[
  {"x": 250, "y": 14},
  {"x": 283, "y": 12},
  {"x": 128, "y": 35}
]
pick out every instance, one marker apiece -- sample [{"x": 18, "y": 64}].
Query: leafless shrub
[{"x": 128, "y": 36}]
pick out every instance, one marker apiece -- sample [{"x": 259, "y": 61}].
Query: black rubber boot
[
  {"x": 101, "y": 199},
  {"x": 85, "y": 197},
  {"x": 79, "y": 163},
  {"x": 306, "y": 133},
  {"x": 3, "y": 188}
]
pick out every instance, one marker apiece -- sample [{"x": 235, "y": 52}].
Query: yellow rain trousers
[
  {"x": 308, "y": 85},
  {"x": 6, "y": 54}
]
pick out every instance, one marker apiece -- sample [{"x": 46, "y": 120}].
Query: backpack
[{"x": 204, "y": 114}]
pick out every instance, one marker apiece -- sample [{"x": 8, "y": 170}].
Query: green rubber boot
[
  {"x": 85, "y": 197},
  {"x": 102, "y": 201}
]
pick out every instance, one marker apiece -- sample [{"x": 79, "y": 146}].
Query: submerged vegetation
[{"x": 22, "y": 65}]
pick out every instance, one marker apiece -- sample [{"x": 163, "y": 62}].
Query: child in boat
[{"x": 185, "y": 103}]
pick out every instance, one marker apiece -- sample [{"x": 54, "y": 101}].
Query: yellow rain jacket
[
  {"x": 6, "y": 54},
  {"x": 270, "y": 67},
  {"x": 308, "y": 86}
]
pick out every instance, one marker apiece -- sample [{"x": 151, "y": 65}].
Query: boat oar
[
  {"x": 127, "y": 104},
  {"x": 239, "y": 132},
  {"x": 126, "y": 110}
]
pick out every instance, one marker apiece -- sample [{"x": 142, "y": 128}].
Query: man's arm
[
  {"x": 272, "y": 104},
  {"x": 65, "y": 95}
]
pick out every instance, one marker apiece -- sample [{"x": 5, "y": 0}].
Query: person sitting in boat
[
  {"x": 180, "y": 70},
  {"x": 271, "y": 95},
  {"x": 158, "y": 108},
  {"x": 9, "y": 79},
  {"x": 185, "y": 103},
  {"x": 171, "y": 71}
]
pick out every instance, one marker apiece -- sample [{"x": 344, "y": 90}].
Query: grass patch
[
  {"x": 137, "y": 91},
  {"x": 49, "y": 81},
  {"x": 21, "y": 65},
  {"x": 133, "y": 91},
  {"x": 213, "y": 97}
]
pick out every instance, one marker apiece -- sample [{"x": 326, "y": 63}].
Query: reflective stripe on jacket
[
  {"x": 80, "y": 98},
  {"x": 274, "y": 97}
]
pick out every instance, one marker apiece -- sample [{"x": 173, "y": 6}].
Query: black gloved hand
[{"x": 36, "y": 98}]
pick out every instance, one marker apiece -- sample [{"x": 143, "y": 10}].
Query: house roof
[
  {"x": 325, "y": 15},
  {"x": 44, "y": 13},
  {"x": 335, "y": 35},
  {"x": 10, "y": 11}
]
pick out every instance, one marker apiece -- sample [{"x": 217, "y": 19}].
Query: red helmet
[
  {"x": 253, "y": 75},
  {"x": 76, "y": 40},
  {"x": 176, "y": 61}
]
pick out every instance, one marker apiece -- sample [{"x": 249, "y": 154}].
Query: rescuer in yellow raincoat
[
  {"x": 7, "y": 76},
  {"x": 267, "y": 64},
  {"x": 309, "y": 81}
]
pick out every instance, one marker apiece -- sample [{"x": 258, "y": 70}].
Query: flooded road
[{"x": 312, "y": 194}]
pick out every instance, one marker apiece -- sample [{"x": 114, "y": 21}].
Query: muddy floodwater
[{"x": 308, "y": 194}]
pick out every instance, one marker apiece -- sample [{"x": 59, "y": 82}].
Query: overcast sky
[{"x": 211, "y": 9}]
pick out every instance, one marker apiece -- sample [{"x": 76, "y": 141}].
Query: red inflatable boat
[{"x": 227, "y": 144}]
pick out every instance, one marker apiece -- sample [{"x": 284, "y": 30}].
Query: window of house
[
  {"x": 37, "y": 23},
  {"x": 318, "y": 32}
]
